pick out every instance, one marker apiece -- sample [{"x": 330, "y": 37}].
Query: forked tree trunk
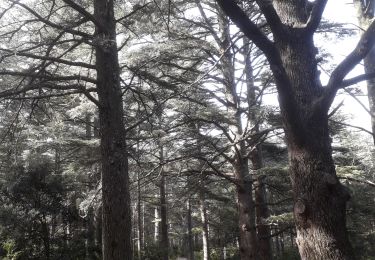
[
  {"x": 319, "y": 198},
  {"x": 115, "y": 180}
]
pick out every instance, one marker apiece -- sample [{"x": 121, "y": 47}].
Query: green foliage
[{"x": 10, "y": 248}]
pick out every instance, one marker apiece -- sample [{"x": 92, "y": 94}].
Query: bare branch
[
  {"x": 357, "y": 79},
  {"x": 48, "y": 58},
  {"x": 48, "y": 77}
]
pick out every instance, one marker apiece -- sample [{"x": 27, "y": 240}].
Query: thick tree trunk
[
  {"x": 320, "y": 199},
  {"x": 115, "y": 180}
]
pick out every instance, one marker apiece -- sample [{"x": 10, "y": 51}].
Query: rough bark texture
[
  {"x": 115, "y": 180},
  {"x": 320, "y": 199}
]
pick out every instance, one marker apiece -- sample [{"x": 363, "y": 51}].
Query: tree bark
[
  {"x": 261, "y": 208},
  {"x": 263, "y": 230},
  {"x": 164, "y": 240},
  {"x": 319, "y": 198},
  {"x": 246, "y": 210},
  {"x": 156, "y": 225},
  {"x": 140, "y": 242},
  {"x": 205, "y": 234},
  {"x": 115, "y": 180}
]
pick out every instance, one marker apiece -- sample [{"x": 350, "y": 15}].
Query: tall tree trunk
[
  {"x": 156, "y": 225},
  {"x": 46, "y": 238},
  {"x": 365, "y": 14},
  {"x": 140, "y": 244},
  {"x": 263, "y": 230},
  {"x": 140, "y": 231},
  {"x": 164, "y": 240},
  {"x": 115, "y": 180},
  {"x": 90, "y": 234},
  {"x": 246, "y": 210},
  {"x": 205, "y": 234},
  {"x": 262, "y": 212},
  {"x": 98, "y": 229},
  {"x": 189, "y": 231}
]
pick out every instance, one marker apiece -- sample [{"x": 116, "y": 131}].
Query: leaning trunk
[{"x": 115, "y": 180}]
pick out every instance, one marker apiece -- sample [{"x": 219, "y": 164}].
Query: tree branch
[
  {"x": 49, "y": 58},
  {"x": 357, "y": 79},
  {"x": 272, "y": 17},
  {"x": 49, "y": 23},
  {"x": 315, "y": 16},
  {"x": 86, "y": 14},
  {"x": 240, "y": 18},
  {"x": 336, "y": 80}
]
